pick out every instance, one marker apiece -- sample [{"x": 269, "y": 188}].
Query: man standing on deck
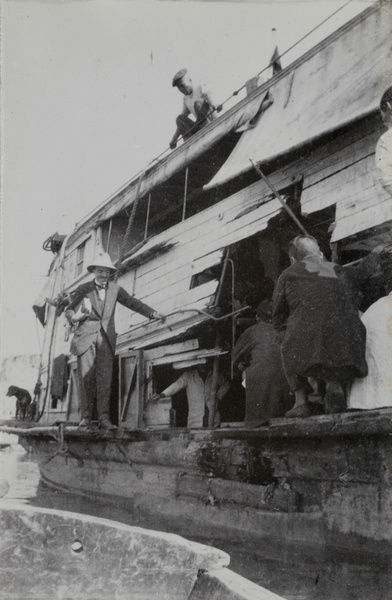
[
  {"x": 316, "y": 316},
  {"x": 92, "y": 308},
  {"x": 197, "y": 101},
  {"x": 384, "y": 144}
]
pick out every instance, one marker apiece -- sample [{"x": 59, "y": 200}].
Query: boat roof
[{"x": 337, "y": 82}]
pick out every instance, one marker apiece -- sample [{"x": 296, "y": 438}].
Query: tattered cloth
[{"x": 59, "y": 377}]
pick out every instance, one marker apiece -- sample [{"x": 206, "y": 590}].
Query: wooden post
[
  {"x": 214, "y": 385},
  {"x": 109, "y": 235},
  {"x": 148, "y": 216},
  {"x": 185, "y": 194},
  {"x": 279, "y": 197}
]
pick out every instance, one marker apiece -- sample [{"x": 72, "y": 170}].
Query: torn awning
[
  {"x": 337, "y": 82},
  {"x": 237, "y": 118}
]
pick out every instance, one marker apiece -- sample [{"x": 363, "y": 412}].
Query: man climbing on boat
[
  {"x": 322, "y": 336},
  {"x": 197, "y": 101},
  {"x": 92, "y": 310}
]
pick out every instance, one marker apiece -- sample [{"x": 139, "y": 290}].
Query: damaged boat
[{"x": 200, "y": 236}]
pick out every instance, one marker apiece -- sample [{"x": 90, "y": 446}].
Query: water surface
[{"x": 294, "y": 573}]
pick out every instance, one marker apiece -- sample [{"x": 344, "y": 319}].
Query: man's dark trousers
[{"x": 95, "y": 369}]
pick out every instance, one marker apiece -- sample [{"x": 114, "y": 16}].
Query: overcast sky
[{"x": 87, "y": 102}]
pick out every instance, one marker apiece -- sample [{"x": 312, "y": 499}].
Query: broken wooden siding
[
  {"x": 165, "y": 282},
  {"x": 160, "y": 171},
  {"x": 294, "y": 117},
  {"x": 341, "y": 171}
]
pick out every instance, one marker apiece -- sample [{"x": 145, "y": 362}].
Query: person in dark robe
[
  {"x": 322, "y": 337},
  {"x": 257, "y": 350}
]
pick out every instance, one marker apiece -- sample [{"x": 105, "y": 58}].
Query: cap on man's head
[{"x": 178, "y": 76}]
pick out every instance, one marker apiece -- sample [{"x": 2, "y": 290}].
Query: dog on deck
[{"x": 23, "y": 400}]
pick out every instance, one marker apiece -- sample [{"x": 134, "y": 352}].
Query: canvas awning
[
  {"x": 235, "y": 119},
  {"x": 337, "y": 82}
]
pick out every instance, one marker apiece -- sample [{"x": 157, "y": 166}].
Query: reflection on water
[{"x": 293, "y": 573}]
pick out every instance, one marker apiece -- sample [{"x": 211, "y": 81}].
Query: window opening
[
  {"x": 114, "y": 230},
  {"x": 162, "y": 377},
  {"x": 231, "y": 406},
  {"x": 80, "y": 251}
]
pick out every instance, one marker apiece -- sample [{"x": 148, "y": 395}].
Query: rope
[{"x": 130, "y": 224}]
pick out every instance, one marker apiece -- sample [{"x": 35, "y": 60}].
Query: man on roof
[
  {"x": 197, "y": 102},
  {"x": 92, "y": 308}
]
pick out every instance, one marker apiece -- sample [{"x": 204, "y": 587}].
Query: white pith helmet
[{"x": 102, "y": 260}]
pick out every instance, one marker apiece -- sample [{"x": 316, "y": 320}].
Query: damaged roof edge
[
  {"x": 245, "y": 168},
  {"x": 158, "y": 172}
]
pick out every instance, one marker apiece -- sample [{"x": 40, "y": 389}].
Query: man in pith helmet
[
  {"x": 197, "y": 101},
  {"x": 92, "y": 308}
]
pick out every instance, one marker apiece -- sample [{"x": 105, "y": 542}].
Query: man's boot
[{"x": 105, "y": 422}]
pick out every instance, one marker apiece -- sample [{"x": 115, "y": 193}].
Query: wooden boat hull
[
  {"x": 303, "y": 481},
  {"x": 56, "y": 554}
]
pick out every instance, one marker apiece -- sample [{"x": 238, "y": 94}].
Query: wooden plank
[
  {"x": 200, "y": 353},
  {"x": 187, "y": 364},
  {"x": 235, "y": 231},
  {"x": 205, "y": 223},
  {"x": 155, "y": 334},
  {"x": 179, "y": 273},
  {"x": 178, "y": 266},
  {"x": 369, "y": 217},
  {"x": 171, "y": 349},
  {"x": 197, "y": 298},
  {"x": 230, "y": 231}
]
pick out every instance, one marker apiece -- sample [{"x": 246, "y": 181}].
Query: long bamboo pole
[{"x": 279, "y": 197}]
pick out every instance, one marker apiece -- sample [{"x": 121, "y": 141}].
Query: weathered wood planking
[
  {"x": 353, "y": 168},
  {"x": 151, "y": 336},
  {"x": 344, "y": 80},
  {"x": 329, "y": 176},
  {"x": 171, "y": 349},
  {"x": 346, "y": 163},
  {"x": 360, "y": 221},
  {"x": 316, "y": 166},
  {"x": 253, "y": 222},
  {"x": 196, "y": 299},
  {"x": 342, "y": 188}
]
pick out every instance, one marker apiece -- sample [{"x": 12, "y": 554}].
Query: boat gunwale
[{"x": 376, "y": 422}]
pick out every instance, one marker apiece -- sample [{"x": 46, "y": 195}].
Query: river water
[{"x": 293, "y": 574}]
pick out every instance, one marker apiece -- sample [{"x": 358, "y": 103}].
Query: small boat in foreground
[{"x": 51, "y": 554}]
